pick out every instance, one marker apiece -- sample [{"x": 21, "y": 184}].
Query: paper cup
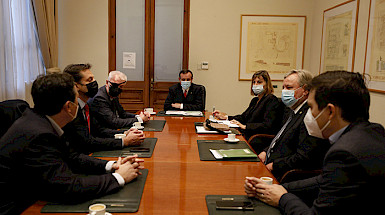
[
  {"x": 137, "y": 124},
  {"x": 267, "y": 180},
  {"x": 97, "y": 209},
  {"x": 231, "y": 137}
]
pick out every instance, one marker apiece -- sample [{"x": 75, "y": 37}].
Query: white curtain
[{"x": 20, "y": 58}]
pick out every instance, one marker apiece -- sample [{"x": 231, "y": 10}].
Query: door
[{"x": 148, "y": 41}]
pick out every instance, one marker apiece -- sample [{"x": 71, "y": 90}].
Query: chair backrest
[
  {"x": 10, "y": 111},
  {"x": 204, "y": 97}
]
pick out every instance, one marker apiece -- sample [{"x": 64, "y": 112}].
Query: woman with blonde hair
[{"x": 264, "y": 114}]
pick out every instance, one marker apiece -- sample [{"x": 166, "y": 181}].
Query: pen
[{"x": 213, "y": 110}]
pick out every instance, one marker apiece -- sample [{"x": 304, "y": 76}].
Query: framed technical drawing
[
  {"x": 375, "y": 47},
  {"x": 272, "y": 43},
  {"x": 339, "y": 32}
]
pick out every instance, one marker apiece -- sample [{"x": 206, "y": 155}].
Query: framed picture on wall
[
  {"x": 339, "y": 32},
  {"x": 272, "y": 43},
  {"x": 375, "y": 47}
]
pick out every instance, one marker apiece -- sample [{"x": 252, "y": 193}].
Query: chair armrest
[
  {"x": 298, "y": 174},
  {"x": 268, "y": 136}
]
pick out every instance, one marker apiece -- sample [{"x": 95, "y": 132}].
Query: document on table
[
  {"x": 184, "y": 113},
  {"x": 202, "y": 130},
  {"x": 226, "y": 122}
]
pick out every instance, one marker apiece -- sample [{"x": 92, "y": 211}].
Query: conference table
[{"x": 178, "y": 180}]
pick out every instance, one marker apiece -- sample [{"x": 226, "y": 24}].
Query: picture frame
[
  {"x": 339, "y": 32},
  {"x": 374, "y": 68},
  {"x": 274, "y": 43}
]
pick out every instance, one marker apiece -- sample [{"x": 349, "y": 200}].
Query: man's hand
[
  {"x": 269, "y": 166},
  {"x": 262, "y": 156},
  {"x": 220, "y": 115},
  {"x": 128, "y": 167},
  {"x": 250, "y": 190},
  {"x": 133, "y": 137},
  {"x": 270, "y": 194},
  {"x": 241, "y": 126},
  {"x": 145, "y": 116},
  {"x": 176, "y": 105}
]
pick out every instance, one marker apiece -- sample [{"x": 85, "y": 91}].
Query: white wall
[
  {"x": 214, "y": 37},
  {"x": 83, "y": 35},
  {"x": 377, "y": 99}
]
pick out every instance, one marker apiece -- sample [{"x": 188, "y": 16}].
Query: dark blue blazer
[
  {"x": 295, "y": 148},
  {"x": 109, "y": 112},
  {"x": 37, "y": 164},
  {"x": 101, "y": 138},
  {"x": 352, "y": 179},
  {"x": 263, "y": 117},
  {"x": 194, "y": 101}
]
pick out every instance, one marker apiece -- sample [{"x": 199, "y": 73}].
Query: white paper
[
  {"x": 184, "y": 113},
  {"x": 129, "y": 60},
  {"x": 226, "y": 122},
  {"x": 202, "y": 130},
  {"x": 216, "y": 154}
]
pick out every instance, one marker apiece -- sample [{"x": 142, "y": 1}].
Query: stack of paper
[
  {"x": 184, "y": 113},
  {"x": 226, "y": 122},
  {"x": 233, "y": 153}
]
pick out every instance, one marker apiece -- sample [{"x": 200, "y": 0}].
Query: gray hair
[
  {"x": 304, "y": 76},
  {"x": 114, "y": 75}
]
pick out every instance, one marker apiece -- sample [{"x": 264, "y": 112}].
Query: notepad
[{"x": 232, "y": 153}]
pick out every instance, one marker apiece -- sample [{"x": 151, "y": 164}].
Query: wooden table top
[{"x": 178, "y": 181}]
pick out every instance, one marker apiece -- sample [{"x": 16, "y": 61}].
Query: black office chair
[
  {"x": 10, "y": 111},
  {"x": 204, "y": 97}
]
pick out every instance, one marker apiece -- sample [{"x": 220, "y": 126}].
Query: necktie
[
  {"x": 87, "y": 113},
  {"x": 185, "y": 93},
  {"x": 277, "y": 136}
]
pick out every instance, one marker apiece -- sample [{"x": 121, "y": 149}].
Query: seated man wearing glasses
[{"x": 106, "y": 108}]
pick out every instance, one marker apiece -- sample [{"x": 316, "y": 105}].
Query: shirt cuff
[
  {"x": 109, "y": 166},
  {"x": 181, "y": 106},
  {"x": 119, "y": 178},
  {"x": 139, "y": 119}
]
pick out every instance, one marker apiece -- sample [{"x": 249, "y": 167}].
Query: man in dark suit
[
  {"x": 353, "y": 173},
  {"x": 106, "y": 108},
  {"x": 292, "y": 147},
  {"x": 186, "y": 95},
  {"x": 36, "y": 163},
  {"x": 84, "y": 133}
]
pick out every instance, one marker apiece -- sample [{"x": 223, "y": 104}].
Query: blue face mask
[
  {"x": 288, "y": 97},
  {"x": 185, "y": 84}
]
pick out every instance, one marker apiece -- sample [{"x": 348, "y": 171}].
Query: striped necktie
[{"x": 268, "y": 153}]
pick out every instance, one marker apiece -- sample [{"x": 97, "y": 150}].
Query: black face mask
[
  {"x": 114, "y": 90},
  {"x": 92, "y": 89}
]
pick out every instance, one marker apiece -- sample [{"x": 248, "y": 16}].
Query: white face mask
[
  {"x": 312, "y": 125},
  {"x": 76, "y": 112},
  {"x": 257, "y": 89}
]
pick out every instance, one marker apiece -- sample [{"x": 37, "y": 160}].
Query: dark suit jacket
[
  {"x": 195, "y": 100},
  {"x": 295, "y": 148},
  {"x": 109, "y": 112},
  {"x": 81, "y": 140},
  {"x": 35, "y": 163},
  {"x": 352, "y": 179},
  {"x": 263, "y": 117}
]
